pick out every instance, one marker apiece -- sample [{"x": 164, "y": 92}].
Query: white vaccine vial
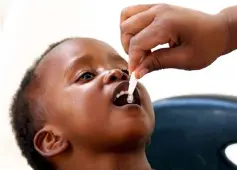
[{"x": 132, "y": 85}]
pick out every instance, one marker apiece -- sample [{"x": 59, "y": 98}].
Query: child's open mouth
[{"x": 120, "y": 95}]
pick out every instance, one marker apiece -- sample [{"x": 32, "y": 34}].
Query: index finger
[{"x": 133, "y": 10}]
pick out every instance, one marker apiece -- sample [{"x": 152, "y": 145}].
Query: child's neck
[{"x": 106, "y": 161}]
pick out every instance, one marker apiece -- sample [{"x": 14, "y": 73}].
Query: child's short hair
[{"x": 22, "y": 118}]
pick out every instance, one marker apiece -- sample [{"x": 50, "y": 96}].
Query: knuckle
[
  {"x": 124, "y": 12},
  {"x": 164, "y": 18},
  {"x": 123, "y": 27},
  {"x": 134, "y": 43},
  {"x": 163, "y": 7},
  {"x": 155, "y": 64}
]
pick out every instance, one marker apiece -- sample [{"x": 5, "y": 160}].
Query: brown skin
[
  {"x": 83, "y": 128},
  {"x": 196, "y": 39}
]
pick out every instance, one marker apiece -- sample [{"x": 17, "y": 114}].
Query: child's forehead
[
  {"x": 86, "y": 47},
  {"x": 91, "y": 50}
]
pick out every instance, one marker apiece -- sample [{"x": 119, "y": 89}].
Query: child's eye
[{"x": 86, "y": 76}]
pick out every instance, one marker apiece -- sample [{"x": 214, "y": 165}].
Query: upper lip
[{"x": 123, "y": 86}]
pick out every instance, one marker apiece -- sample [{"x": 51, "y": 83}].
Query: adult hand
[{"x": 195, "y": 39}]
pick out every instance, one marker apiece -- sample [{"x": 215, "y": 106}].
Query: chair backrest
[{"x": 192, "y": 133}]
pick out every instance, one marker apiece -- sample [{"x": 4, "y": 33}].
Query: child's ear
[{"x": 48, "y": 143}]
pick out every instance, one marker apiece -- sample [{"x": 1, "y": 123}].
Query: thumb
[{"x": 162, "y": 59}]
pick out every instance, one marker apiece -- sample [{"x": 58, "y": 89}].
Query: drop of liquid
[{"x": 130, "y": 98}]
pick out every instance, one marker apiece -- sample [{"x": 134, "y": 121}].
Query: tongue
[{"x": 122, "y": 100}]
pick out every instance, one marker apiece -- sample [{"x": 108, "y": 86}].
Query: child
[{"x": 71, "y": 112}]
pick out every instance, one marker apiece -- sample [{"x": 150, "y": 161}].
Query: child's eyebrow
[{"x": 82, "y": 60}]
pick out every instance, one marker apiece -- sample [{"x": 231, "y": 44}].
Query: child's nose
[{"x": 115, "y": 75}]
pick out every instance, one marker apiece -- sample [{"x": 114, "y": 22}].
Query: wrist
[{"x": 230, "y": 18}]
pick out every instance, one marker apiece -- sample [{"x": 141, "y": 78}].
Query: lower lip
[
  {"x": 133, "y": 110},
  {"x": 129, "y": 106}
]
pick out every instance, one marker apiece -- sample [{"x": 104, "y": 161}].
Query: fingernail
[{"x": 143, "y": 72}]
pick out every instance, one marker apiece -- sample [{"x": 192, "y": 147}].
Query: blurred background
[{"x": 29, "y": 26}]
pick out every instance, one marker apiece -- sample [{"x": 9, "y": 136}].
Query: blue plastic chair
[{"x": 192, "y": 133}]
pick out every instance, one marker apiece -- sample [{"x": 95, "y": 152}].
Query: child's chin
[
  {"x": 135, "y": 139},
  {"x": 136, "y": 133}
]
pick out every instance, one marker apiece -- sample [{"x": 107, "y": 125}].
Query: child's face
[{"x": 80, "y": 80}]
